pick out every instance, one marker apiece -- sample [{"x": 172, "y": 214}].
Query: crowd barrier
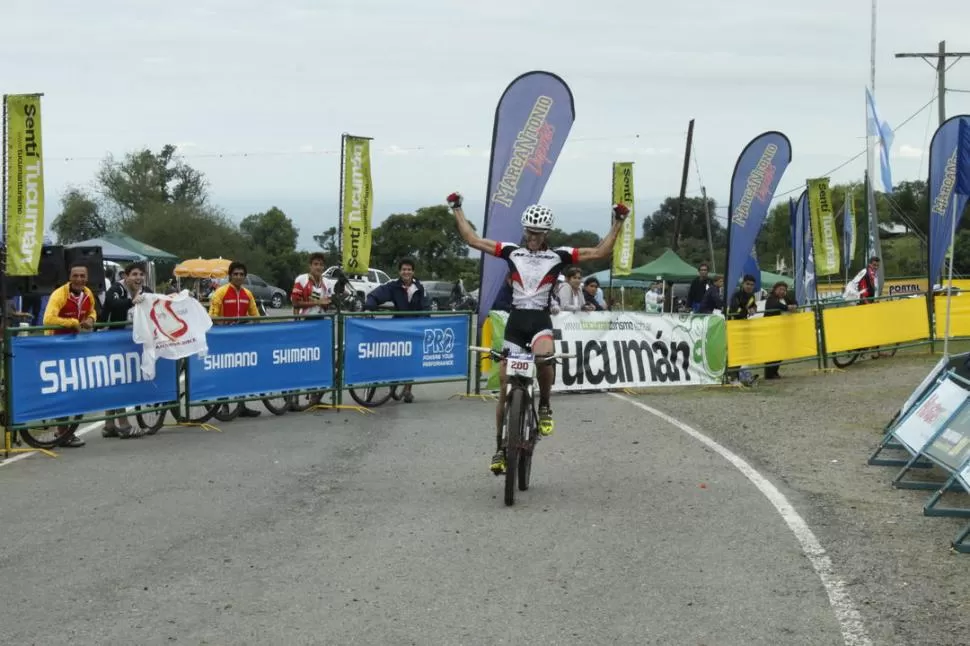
[
  {"x": 932, "y": 429},
  {"x": 827, "y": 330},
  {"x": 49, "y": 377}
]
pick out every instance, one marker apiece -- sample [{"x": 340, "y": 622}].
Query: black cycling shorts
[{"x": 524, "y": 326}]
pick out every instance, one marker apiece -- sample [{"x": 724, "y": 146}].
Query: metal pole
[
  {"x": 710, "y": 239},
  {"x": 941, "y": 83},
  {"x": 683, "y": 186},
  {"x": 340, "y": 201},
  {"x": 3, "y": 229},
  {"x": 872, "y": 49}
]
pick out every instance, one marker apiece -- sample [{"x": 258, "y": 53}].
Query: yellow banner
[
  {"x": 25, "y": 184},
  {"x": 358, "y": 201},
  {"x": 825, "y": 240},
  {"x": 623, "y": 192}
]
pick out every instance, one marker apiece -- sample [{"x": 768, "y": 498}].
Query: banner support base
[
  {"x": 8, "y": 448},
  {"x": 485, "y": 397},
  {"x": 203, "y": 425},
  {"x": 360, "y": 409}
]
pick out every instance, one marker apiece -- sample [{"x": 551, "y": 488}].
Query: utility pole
[
  {"x": 941, "y": 66},
  {"x": 683, "y": 187},
  {"x": 710, "y": 239}
]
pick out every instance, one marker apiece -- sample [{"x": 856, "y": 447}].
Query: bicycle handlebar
[{"x": 502, "y": 355}]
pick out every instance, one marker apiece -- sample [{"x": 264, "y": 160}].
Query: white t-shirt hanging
[{"x": 169, "y": 327}]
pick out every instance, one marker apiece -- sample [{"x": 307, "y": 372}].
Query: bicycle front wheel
[
  {"x": 56, "y": 433},
  {"x": 514, "y": 420},
  {"x": 845, "y": 360},
  {"x": 373, "y": 396}
]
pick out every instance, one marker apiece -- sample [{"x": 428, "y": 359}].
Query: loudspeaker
[
  {"x": 51, "y": 272},
  {"x": 91, "y": 258}
]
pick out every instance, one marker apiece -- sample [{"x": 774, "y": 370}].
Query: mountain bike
[
  {"x": 520, "y": 432},
  {"x": 846, "y": 360}
]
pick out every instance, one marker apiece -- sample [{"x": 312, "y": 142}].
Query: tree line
[{"x": 158, "y": 198}]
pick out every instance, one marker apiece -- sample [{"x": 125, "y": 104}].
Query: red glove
[
  {"x": 454, "y": 200},
  {"x": 620, "y": 211}
]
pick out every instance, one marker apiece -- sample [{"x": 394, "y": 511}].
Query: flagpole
[{"x": 949, "y": 287}]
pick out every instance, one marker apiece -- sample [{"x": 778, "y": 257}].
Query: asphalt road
[{"x": 340, "y": 528}]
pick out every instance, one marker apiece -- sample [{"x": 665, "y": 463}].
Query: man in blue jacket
[{"x": 406, "y": 294}]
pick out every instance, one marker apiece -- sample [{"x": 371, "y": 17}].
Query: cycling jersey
[
  {"x": 534, "y": 273},
  {"x": 227, "y": 302},
  {"x": 304, "y": 290}
]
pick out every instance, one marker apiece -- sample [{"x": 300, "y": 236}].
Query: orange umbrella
[{"x": 203, "y": 268}]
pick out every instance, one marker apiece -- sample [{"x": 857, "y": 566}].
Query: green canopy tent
[
  {"x": 768, "y": 279},
  {"x": 152, "y": 253},
  {"x": 669, "y": 267}
]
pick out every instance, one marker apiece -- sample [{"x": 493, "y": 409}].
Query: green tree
[
  {"x": 273, "y": 233},
  {"x": 429, "y": 236},
  {"x": 581, "y": 238},
  {"x": 660, "y": 224},
  {"x": 329, "y": 241},
  {"x": 79, "y": 218},
  {"x": 144, "y": 179}
]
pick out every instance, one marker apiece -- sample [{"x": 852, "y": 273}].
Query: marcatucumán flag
[
  {"x": 358, "y": 205},
  {"x": 623, "y": 192},
  {"x": 756, "y": 175},
  {"x": 25, "y": 184},
  {"x": 532, "y": 120},
  {"x": 824, "y": 234},
  {"x": 946, "y": 203}
]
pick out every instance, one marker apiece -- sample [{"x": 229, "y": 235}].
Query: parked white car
[{"x": 363, "y": 284}]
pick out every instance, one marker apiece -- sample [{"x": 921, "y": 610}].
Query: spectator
[
  {"x": 569, "y": 293},
  {"x": 312, "y": 293},
  {"x": 713, "y": 298},
  {"x": 118, "y": 304},
  {"x": 653, "y": 298},
  {"x": 865, "y": 285},
  {"x": 232, "y": 300},
  {"x": 503, "y": 300},
  {"x": 71, "y": 307},
  {"x": 743, "y": 305},
  {"x": 698, "y": 288},
  {"x": 591, "y": 290},
  {"x": 406, "y": 294},
  {"x": 778, "y": 302}
]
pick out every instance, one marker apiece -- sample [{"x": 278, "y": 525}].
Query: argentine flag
[{"x": 876, "y": 127}]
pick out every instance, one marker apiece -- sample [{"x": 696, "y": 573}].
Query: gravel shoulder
[{"x": 812, "y": 434}]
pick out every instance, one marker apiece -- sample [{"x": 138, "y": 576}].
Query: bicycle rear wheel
[
  {"x": 514, "y": 420},
  {"x": 49, "y": 437},
  {"x": 304, "y": 401},
  {"x": 150, "y": 421},
  {"x": 373, "y": 396},
  {"x": 846, "y": 360}
]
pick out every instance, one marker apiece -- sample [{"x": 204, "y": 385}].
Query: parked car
[
  {"x": 263, "y": 291},
  {"x": 438, "y": 293},
  {"x": 363, "y": 284}
]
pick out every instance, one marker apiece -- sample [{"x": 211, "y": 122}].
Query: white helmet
[{"x": 538, "y": 217}]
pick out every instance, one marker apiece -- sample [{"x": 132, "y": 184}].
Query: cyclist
[
  {"x": 865, "y": 285},
  {"x": 233, "y": 300},
  {"x": 534, "y": 269},
  {"x": 312, "y": 293}
]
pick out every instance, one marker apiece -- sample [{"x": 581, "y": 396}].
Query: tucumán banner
[
  {"x": 253, "y": 359},
  {"x": 358, "y": 202},
  {"x": 25, "y": 184},
  {"x": 388, "y": 350},
  {"x": 825, "y": 237},
  {"x": 616, "y": 350},
  {"x": 623, "y": 192},
  {"x": 73, "y": 374},
  {"x": 532, "y": 121}
]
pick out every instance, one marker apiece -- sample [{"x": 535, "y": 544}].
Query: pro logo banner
[
  {"x": 616, "y": 350},
  {"x": 405, "y": 349},
  {"x": 358, "y": 202},
  {"x": 63, "y": 375},
  {"x": 25, "y": 184},
  {"x": 532, "y": 121},
  {"x": 825, "y": 239},
  {"x": 623, "y": 192},
  {"x": 253, "y": 359}
]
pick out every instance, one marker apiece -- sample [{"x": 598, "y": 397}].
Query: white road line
[
  {"x": 850, "y": 621},
  {"x": 84, "y": 430}
]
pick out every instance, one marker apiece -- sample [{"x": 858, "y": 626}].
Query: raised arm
[
  {"x": 605, "y": 247},
  {"x": 468, "y": 234}
]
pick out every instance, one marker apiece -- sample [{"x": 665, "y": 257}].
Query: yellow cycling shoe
[
  {"x": 498, "y": 463},
  {"x": 546, "y": 425}
]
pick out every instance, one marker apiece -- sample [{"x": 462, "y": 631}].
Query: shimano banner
[
  {"x": 532, "y": 121},
  {"x": 756, "y": 175},
  {"x": 62, "y": 375},
  {"x": 246, "y": 360},
  {"x": 405, "y": 349}
]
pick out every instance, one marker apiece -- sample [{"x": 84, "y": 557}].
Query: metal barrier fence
[{"x": 50, "y": 376}]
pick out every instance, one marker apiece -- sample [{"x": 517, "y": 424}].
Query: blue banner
[
  {"x": 393, "y": 350},
  {"x": 943, "y": 196},
  {"x": 262, "y": 358},
  {"x": 74, "y": 374},
  {"x": 805, "y": 288},
  {"x": 532, "y": 122},
  {"x": 751, "y": 268},
  {"x": 963, "y": 159},
  {"x": 756, "y": 175}
]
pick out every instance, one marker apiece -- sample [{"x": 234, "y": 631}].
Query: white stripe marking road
[
  {"x": 850, "y": 621},
  {"x": 84, "y": 430}
]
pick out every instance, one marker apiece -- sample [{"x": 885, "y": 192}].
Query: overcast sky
[{"x": 256, "y": 94}]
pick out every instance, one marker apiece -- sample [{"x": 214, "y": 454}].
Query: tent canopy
[
  {"x": 669, "y": 266},
  {"x": 110, "y": 251},
  {"x": 603, "y": 277},
  {"x": 768, "y": 279},
  {"x": 145, "y": 250},
  {"x": 202, "y": 268}
]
